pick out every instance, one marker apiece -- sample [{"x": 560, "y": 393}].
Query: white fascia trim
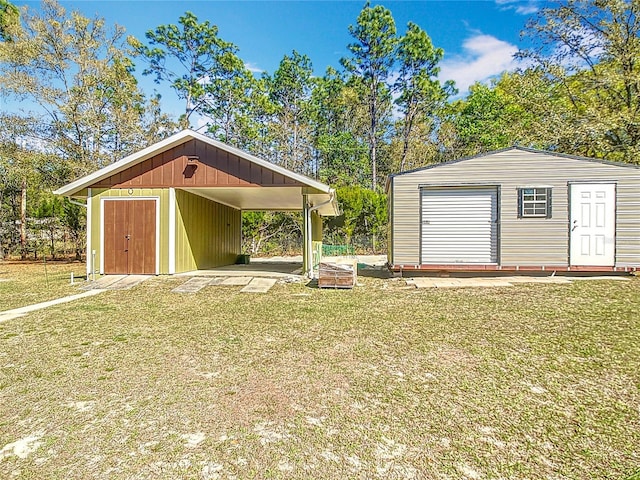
[
  {"x": 89, "y": 228},
  {"x": 172, "y": 231},
  {"x": 157, "y": 199},
  {"x": 101, "y": 237}
]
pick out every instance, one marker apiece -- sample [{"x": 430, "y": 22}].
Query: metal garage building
[{"x": 516, "y": 209}]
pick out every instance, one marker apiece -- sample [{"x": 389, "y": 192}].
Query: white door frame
[
  {"x": 592, "y": 224},
  {"x": 91, "y": 268}
]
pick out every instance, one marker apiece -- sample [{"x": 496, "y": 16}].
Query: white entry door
[{"x": 593, "y": 224}]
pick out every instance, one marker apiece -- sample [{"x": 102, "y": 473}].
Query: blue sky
[{"x": 479, "y": 37}]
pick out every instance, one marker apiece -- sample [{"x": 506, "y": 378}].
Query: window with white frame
[{"x": 534, "y": 202}]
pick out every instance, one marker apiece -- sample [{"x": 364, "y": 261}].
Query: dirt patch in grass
[{"x": 531, "y": 381}]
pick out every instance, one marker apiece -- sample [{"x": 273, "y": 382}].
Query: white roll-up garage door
[{"x": 459, "y": 225}]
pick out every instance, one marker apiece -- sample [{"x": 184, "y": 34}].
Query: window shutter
[
  {"x": 548, "y": 203},
  {"x": 520, "y": 193}
]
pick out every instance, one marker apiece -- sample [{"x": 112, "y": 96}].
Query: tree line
[{"x": 384, "y": 110}]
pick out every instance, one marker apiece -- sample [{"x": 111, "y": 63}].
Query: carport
[{"x": 176, "y": 206}]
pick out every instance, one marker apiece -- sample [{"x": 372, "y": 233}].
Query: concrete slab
[
  {"x": 488, "y": 282},
  {"x": 257, "y": 268},
  {"x": 129, "y": 281},
  {"x": 236, "y": 281},
  {"x": 10, "y": 316},
  {"x": 16, "y": 312},
  {"x": 604, "y": 277},
  {"x": 373, "y": 260},
  {"x": 192, "y": 285},
  {"x": 506, "y": 281},
  {"x": 531, "y": 279},
  {"x": 103, "y": 282},
  {"x": 241, "y": 272},
  {"x": 259, "y": 285},
  {"x": 216, "y": 281},
  {"x": 433, "y": 282}
]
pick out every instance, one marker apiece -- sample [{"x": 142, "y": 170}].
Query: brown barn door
[
  {"x": 129, "y": 237},
  {"x": 116, "y": 250}
]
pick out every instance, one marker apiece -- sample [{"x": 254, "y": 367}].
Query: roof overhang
[{"x": 280, "y": 198}]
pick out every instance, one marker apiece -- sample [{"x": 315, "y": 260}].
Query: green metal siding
[
  {"x": 207, "y": 233},
  {"x": 316, "y": 238},
  {"x": 96, "y": 220},
  {"x": 316, "y": 227},
  {"x": 390, "y": 235},
  {"x": 523, "y": 241}
]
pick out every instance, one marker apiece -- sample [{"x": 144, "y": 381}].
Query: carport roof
[{"x": 282, "y": 197}]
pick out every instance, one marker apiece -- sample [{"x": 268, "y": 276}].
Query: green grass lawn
[
  {"x": 528, "y": 382},
  {"x": 26, "y": 283}
]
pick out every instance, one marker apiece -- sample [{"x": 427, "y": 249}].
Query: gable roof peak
[
  {"x": 173, "y": 141},
  {"x": 518, "y": 148}
]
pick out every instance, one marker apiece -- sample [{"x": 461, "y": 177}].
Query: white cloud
[
  {"x": 522, "y": 7},
  {"x": 589, "y": 43},
  {"x": 527, "y": 9},
  {"x": 201, "y": 123},
  {"x": 253, "y": 68},
  {"x": 204, "y": 80},
  {"x": 483, "y": 57}
]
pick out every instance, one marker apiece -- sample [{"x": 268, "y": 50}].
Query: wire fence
[
  {"x": 331, "y": 246},
  {"x": 44, "y": 238}
]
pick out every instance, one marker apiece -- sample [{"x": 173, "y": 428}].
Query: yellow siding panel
[
  {"x": 316, "y": 227},
  {"x": 207, "y": 233}
]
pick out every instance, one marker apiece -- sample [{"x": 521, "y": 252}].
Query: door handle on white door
[{"x": 575, "y": 225}]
